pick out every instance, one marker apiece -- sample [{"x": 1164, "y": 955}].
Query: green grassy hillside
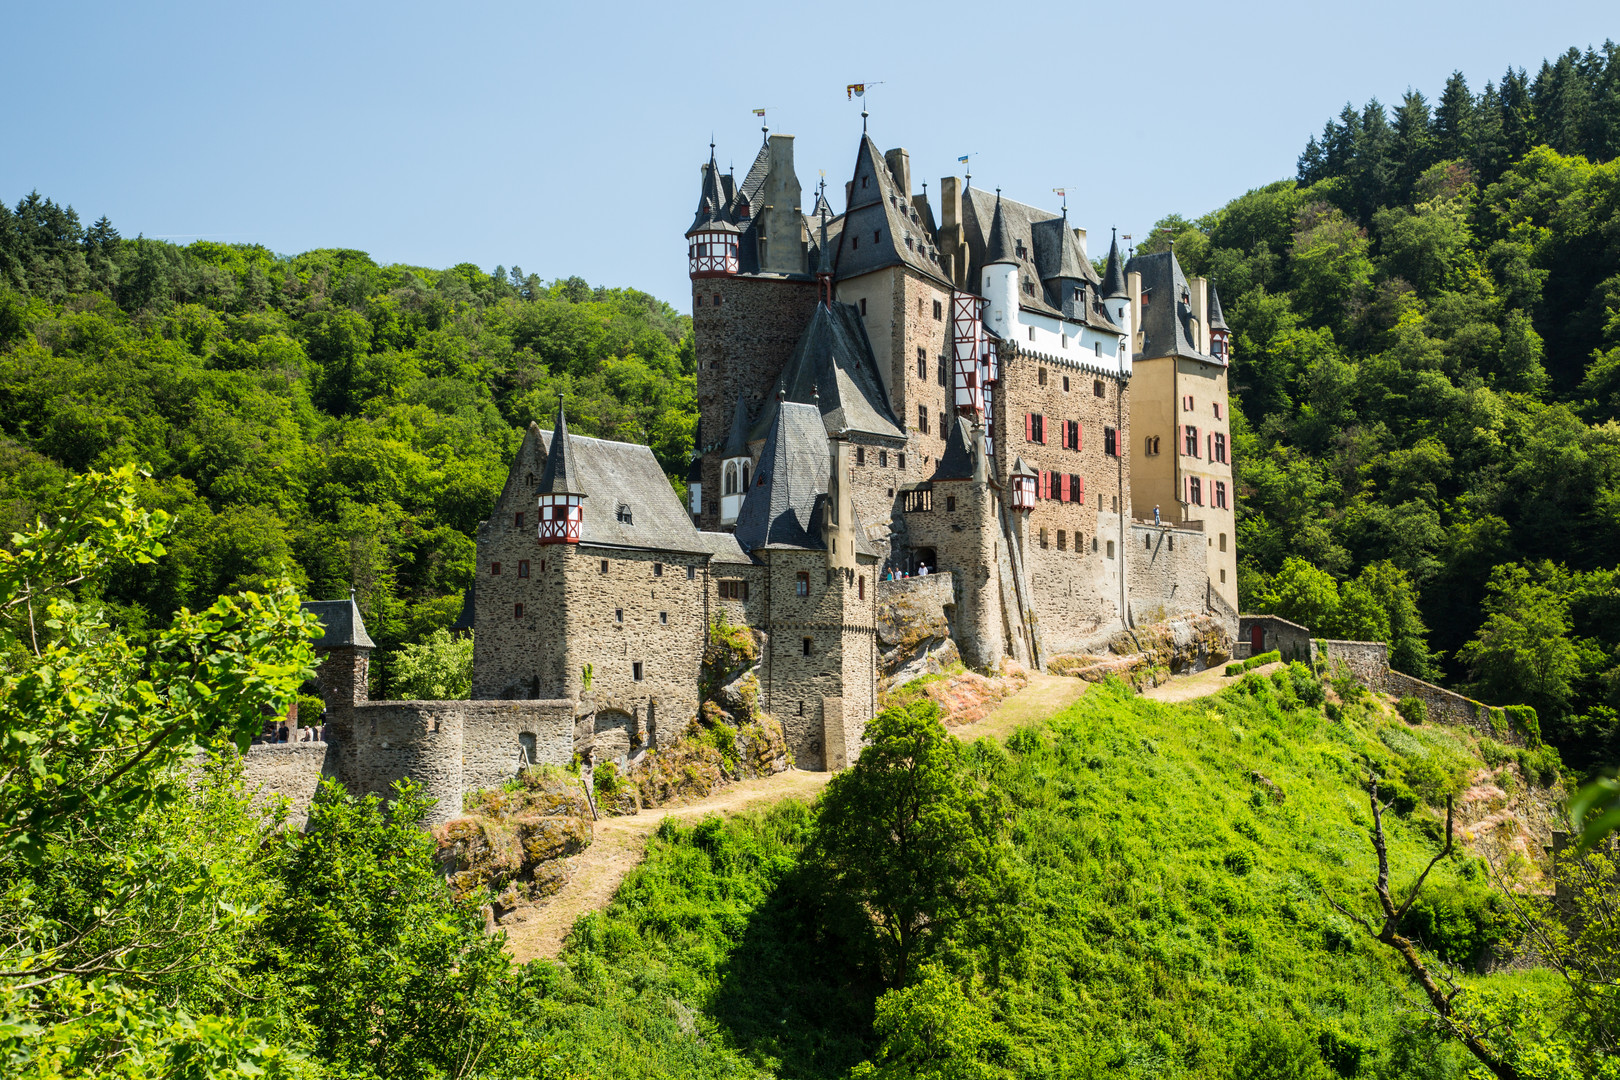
[{"x": 1173, "y": 868}]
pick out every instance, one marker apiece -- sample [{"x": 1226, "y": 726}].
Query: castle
[{"x": 882, "y": 392}]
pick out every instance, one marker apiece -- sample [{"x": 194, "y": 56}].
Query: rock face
[
  {"x": 913, "y": 625},
  {"x": 512, "y": 843},
  {"x": 1148, "y": 656}
]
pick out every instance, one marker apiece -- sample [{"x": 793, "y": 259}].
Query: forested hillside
[
  {"x": 1427, "y": 353},
  {"x": 349, "y": 421}
]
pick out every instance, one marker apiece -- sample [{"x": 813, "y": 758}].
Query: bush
[
  {"x": 1253, "y": 662},
  {"x": 1307, "y": 687},
  {"x": 1523, "y": 719},
  {"x": 1495, "y": 753},
  {"x": 1457, "y": 923},
  {"x": 1413, "y": 710},
  {"x": 1542, "y": 765}
]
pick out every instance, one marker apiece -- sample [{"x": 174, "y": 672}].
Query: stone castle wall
[
  {"x": 1166, "y": 571},
  {"x": 291, "y": 770},
  {"x": 960, "y": 526}
]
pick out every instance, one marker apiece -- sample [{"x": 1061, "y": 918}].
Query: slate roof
[
  {"x": 560, "y": 477},
  {"x": 833, "y": 368},
  {"x": 956, "y": 463},
  {"x": 713, "y": 204},
  {"x": 723, "y": 548},
  {"x": 617, "y": 474},
  {"x": 737, "y": 439},
  {"x": 791, "y": 478},
  {"x": 752, "y": 183},
  {"x": 1166, "y": 321},
  {"x": 1217, "y": 320},
  {"x": 469, "y": 608},
  {"x": 341, "y": 624},
  {"x": 1113, "y": 282},
  {"x": 883, "y": 218},
  {"x": 1051, "y": 253}
]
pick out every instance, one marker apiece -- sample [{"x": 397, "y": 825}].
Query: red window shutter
[
  {"x": 1080, "y": 496},
  {"x": 1029, "y": 427},
  {"x": 1210, "y": 441},
  {"x": 1181, "y": 438},
  {"x": 1046, "y": 484},
  {"x": 1043, "y": 429},
  {"x": 1079, "y": 436},
  {"x": 1063, "y": 487}
]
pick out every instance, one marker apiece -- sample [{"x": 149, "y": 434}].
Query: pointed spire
[
  {"x": 998, "y": 250},
  {"x": 1217, "y": 321},
  {"x": 559, "y": 476},
  {"x": 1113, "y": 282},
  {"x": 824, "y": 263},
  {"x": 737, "y": 440},
  {"x": 712, "y": 201}
]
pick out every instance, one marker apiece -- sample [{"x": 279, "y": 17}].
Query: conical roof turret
[
  {"x": 999, "y": 248},
  {"x": 1021, "y": 469},
  {"x": 1217, "y": 321},
  {"x": 824, "y": 260},
  {"x": 559, "y": 476},
  {"x": 1113, "y": 282},
  {"x": 1071, "y": 261},
  {"x": 712, "y": 202},
  {"x": 737, "y": 439}
]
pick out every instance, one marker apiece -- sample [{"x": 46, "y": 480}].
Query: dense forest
[
  {"x": 1427, "y": 360},
  {"x": 346, "y": 421}
]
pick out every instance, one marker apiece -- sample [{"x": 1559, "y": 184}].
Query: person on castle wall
[
  {"x": 922, "y": 571},
  {"x": 1155, "y": 513}
]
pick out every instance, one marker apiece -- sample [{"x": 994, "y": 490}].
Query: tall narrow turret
[
  {"x": 1000, "y": 276},
  {"x": 712, "y": 241},
  {"x": 560, "y": 492}
]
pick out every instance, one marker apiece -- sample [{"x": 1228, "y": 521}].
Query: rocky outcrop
[
  {"x": 913, "y": 624},
  {"x": 964, "y": 697},
  {"x": 1150, "y": 655},
  {"x": 512, "y": 842}
]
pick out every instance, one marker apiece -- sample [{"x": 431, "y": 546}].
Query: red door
[{"x": 1257, "y": 640}]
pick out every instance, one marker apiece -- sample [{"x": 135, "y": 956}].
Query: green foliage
[
  {"x": 1522, "y": 719},
  {"x": 1260, "y": 660},
  {"x": 439, "y": 668},
  {"x": 1413, "y": 710}
]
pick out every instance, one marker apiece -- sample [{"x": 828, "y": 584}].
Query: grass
[{"x": 1179, "y": 861}]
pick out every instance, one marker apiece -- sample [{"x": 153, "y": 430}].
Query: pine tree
[
  {"x": 1372, "y": 174},
  {"x": 1454, "y": 119},
  {"x": 1490, "y": 155},
  {"x": 1413, "y": 148},
  {"x": 1517, "y": 115}
]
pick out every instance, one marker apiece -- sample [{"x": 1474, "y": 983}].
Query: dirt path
[
  {"x": 1203, "y": 684},
  {"x": 620, "y": 842}
]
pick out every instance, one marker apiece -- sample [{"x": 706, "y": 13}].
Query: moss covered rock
[{"x": 512, "y": 840}]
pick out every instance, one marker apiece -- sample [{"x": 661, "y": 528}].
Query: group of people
[{"x": 902, "y": 573}]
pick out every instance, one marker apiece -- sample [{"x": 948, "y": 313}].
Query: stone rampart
[
  {"x": 293, "y": 770},
  {"x": 1368, "y": 661},
  {"x": 498, "y": 737},
  {"x": 1275, "y": 634},
  {"x": 1448, "y": 707}
]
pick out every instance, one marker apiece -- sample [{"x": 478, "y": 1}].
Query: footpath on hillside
[{"x": 620, "y": 842}]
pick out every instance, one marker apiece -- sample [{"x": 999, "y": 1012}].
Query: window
[
  {"x": 1063, "y": 341},
  {"x": 883, "y": 459},
  {"x": 1218, "y": 452},
  {"x": 624, "y": 515},
  {"x": 1223, "y": 575},
  {"x": 801, "y": 583},
  {"x": 517, "y": 520},
  {"x": 1217, "y": 409},
  {"x": 942, "y": 425},
  {"x": 944, "y": 372},
  {"x": 733, "y": 590},
  {"x": 902, "y": 460},
  {"x": 1077, "y": 488},
  {"x": 635, "y": 670},
  {"x": 1030, "y": 289},
  {"x": 1041, "y": 375},
  {"x": 1098, "y": 389},
  {"x": 1110, "y": 442},
  {"x": 1218, "y": 486},
  {"x": 658, "y": 569},
  {"x": 523, "y": 568},
  {"x": 1093, "y": 543},
  {"x": 806, "y": 644},
  {"x": 663, "y": 617},
  {"x": 801, "y": 708},
  {"x": 1043, "y": 537},
  {"x": 1190, "y": 441},
  {"x": 517, "y": 611},
  {"x": 604, "y": 566},
  {"x": 691, "y": 573},
  {"x": 1195, "y": 491},
  {"x": 863, "y": 302},
  {"x": 1187, "y": 403},
  {"x": 908, "y": 248},
  {"x": 1071, "y": 434},
  {"x": 856, "y": 245},
  {"x": 618, "y": 614},
  {"x": 922, "y": 419},
  {"x": 700, "y": 301},
  {"x": 1096, "y": 347},
  {"x": 860, "y": 587},
  {"x": 1034, "y": 428},
  {"x": 542, "y": 566},
  {"x": 716, "y": 299},
  {"x": 1151, "y": 445},
  {"x": 1065, "y": 384},
  {"x": 1220, "y": 501},
  {"x": 1110, "y": 549},
  {"x": 529, "y": 480},
  {"x": 863, "y": 182},
  {"x": 922, "y": 362},
  {"x": 877, "y": 235},
  {"x": 1147, "y": 542},
  {"x": 939, "y": 311},
  {"x": 495, "y": 569},
  {"x": 1063, "y": 540},
  {"x": 950, "y": 503},
  {"x": 860, "y": 455}
]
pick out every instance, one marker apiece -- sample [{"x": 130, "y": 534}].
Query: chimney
[
  {"x": 1080, "y": 235},
  {"x": 781, "y": 224},
  {"x": 900, "y": 168},
  {"x": 1133, "y": 286},
  {"x": 952, "y": 249}
]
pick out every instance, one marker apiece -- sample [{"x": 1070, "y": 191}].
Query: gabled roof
[
  {"x": 833, "y": 368},
  {"x": 1057, "y": 251},
  {"x": 631, "y": 502},
  {"x": 1021, "y": 469},
  {"x": 341, "y": 624},
  {"x": 883, "y": 219},
  {"x": 1049, "y": 246},
  {"x": 723, "y": 548},
  {"x": 956, "y": 463},
  {"x": 1113, "y": 282},
  {"x": 779, "y": 509},
  {"x": 1166, "y": 321},
  {"x": 560, "y": 476}
]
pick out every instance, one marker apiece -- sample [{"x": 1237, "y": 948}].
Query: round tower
[
  {"x": 561, "y": 492},
  {"x": 1220, "y": 336},
  {"x": 712, "y": 241},
  {"x": 1000, "y": 277}
]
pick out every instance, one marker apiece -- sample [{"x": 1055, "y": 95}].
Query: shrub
[
  {"x": 1523, "y": 719},
  {"x": 1457, "y": 923},
  {"x": 1253, "y": 662},
  {"x": 1541, "y": 764},
  {"x": 1307, "y": 687},
  {"x": 1413, "y": 710},
  {"x": 1494, "y": 752}
]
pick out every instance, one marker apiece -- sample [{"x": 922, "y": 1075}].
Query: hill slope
[{"x": 1176, "y": 862}]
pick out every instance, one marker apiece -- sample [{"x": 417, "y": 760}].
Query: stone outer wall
[
  {"x": 1368, "y": 661},
  {"x": 1166, "y": 571},
  {"x": 1448, "y": 707},
  {"x": 965, "y": 540},
  {"x": 1288, "y": 638},
  {"x": 292, "y": 770},
  {"x": 741, "y": 346},
  {"x": 490, "y": 738}
]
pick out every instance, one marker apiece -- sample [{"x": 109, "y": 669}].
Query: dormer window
[
  {"x": 624, "y": 514},
  {"x": 1078, "y": 294},
  {"x": 1186, "y": 297},
  {"x": 908, "y": 243},
  {"x": 1020, "y": 247},
  {"x": 1147, "y": 297}
]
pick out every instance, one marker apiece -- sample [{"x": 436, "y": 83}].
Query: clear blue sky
[{"x": 566, "y": 138}]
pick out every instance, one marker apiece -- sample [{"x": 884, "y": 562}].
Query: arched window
[
  {"x": 731, "y": 478},
  {"x": 745, "y": 476}
]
